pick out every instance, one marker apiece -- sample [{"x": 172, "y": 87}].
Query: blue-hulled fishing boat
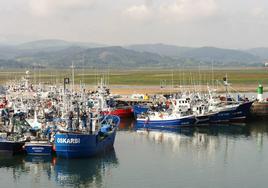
[
  {"x": 241, "y": 112},
  {"x": 161, "y": 119},
  {"x": 79, "y": 144},
  {"x": 38, "y": 148},
  {"x": 231, "y": 113}
]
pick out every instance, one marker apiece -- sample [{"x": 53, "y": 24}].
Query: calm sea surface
[{"x": 215, "y": 156}]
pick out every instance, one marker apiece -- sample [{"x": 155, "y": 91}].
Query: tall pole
[
  {"x": 78, "y": 113},
  {"x": 172, "y": 82},
  {"x": 226, "y": 86},
  {"x": 73, "y": 76}
]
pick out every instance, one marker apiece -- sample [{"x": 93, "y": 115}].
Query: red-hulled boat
[
  {"x": 121, "y": 109},
  {"x": 121, "y": 112}
]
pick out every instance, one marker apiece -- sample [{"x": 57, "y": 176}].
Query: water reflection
[
  {"x": 38, "y": 167},
  {"x": 186, "y": 156},
  {"x": 84, "y": 172},
  {"x": 126, "y": 124},
  {"x": 74, "y": 173},
  {"x": 248, "y": 129},
  {"x": 13, "y": 164},
  {"x": 206, "y": 141}
]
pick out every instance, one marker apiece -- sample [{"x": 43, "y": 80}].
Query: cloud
[
  {"x": 173, "y": 10},
  {"x": 48, "y": 7},
  {"x": 138, "y": 12},
  {"x": 258, "y": 12},
  {"x": 187, "y": 10}
]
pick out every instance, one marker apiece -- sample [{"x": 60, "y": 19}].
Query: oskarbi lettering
[{"x": 68, "y": 140}]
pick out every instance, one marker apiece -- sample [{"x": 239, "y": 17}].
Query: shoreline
[{"x": 132, "y": 89}]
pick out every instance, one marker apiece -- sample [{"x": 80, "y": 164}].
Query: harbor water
[{"x": 213, "y": 156}]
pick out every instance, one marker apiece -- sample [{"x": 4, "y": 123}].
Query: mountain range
[{"x": 62, "y": 54}]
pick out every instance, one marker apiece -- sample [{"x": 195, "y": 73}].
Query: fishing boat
[
  {"x": 241, "y": 112},
  {"x": 110, "y": 106},
  {"x": 122, "y": 112},
  {"x": 12, "y": 137},
  {"x": 202, "y": 115},
  {"x": 38, "y": 148},
  {"x": 10, "y": 145},
  {"x": 79, "y": 144},
  {"x": 228, "y": 110},
  {"x": 102, "y": 101},
  {"x": 177, "y": 114},
  {"x": 164, "y": 120},
  {"x": 118, "y": 108}
]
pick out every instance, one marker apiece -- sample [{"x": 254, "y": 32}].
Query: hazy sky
[{"x": 221, "y": 23}]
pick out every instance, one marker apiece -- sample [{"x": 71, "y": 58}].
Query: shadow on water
[{"x": 65, "y": 172}]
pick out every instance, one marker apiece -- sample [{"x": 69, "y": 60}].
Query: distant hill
[
  {"x": 59, "y": 53},
  {"x": 40, "y": 46},
  {"x": 114, "y": 56},
  {"x": 44, "y": 44},
  {"x": 221, "y": 56},
  {"x": 11, "y": 64},
  {"x": 53, "y": 44},
  {"x": 261, "y": 52},
  {"x": 161, "y": 49},
  {"x": 8, "y": 52},
  {"x": 205, "y": 55}
]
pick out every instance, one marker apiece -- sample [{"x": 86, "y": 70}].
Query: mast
[
  {"x": 172, "y": 82},
  {"x": 212, "y": 74},
  {"x": 72, "y": 76},
  {"x": 225, "y": 81}
]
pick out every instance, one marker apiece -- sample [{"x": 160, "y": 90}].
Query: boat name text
[{"x": 68, "y": 140}]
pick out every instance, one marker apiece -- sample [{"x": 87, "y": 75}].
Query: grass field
[{"x": 143, "y": 77}]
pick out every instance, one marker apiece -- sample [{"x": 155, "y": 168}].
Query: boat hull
[
  {"x": 71, "y": 145},
  {"x": 202, "y": 119},
  {"x": 172, "y": 123},
  {"x": 241, "y": 112},
  {"x": 122, "y": 113},
  {"x": 238, "y": 114},
  {"x": 221, "y": 117},
  {"x": 38, "y": 148},
  {"x": 11, "y": 147}
]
